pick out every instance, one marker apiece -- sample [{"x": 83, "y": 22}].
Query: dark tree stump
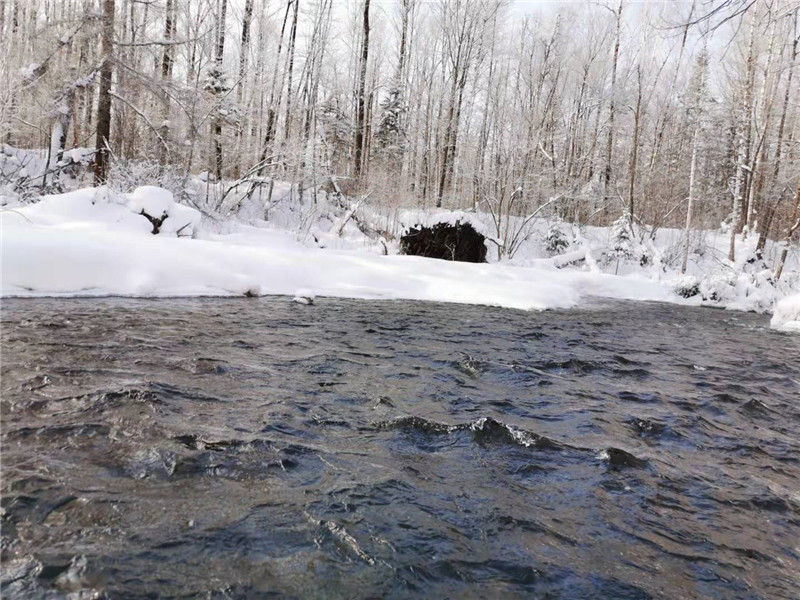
[{"x": 458, "y": 242}]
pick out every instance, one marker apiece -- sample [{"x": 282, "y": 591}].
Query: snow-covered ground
[
  {"x": 786, "y": 315},
  {"x": 90, "y": 243},
  {"x": 96, "y": 242}
]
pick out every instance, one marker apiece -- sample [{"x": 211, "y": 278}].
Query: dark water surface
[{"x": 259, "y": 448}]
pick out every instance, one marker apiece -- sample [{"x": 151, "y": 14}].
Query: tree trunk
[
  {"x": 634, "y": 147},
  {"x": 690, "y": 207},
  {"x": 766, "y": 222},
  {"x": 274, "y": 104},
  {"x": 361, "y": 100},
  {"x": 611, "y": 108},
  {"x": 244, "y": 50},
  {"x": 740, "y": 186},
  {"x": 219, "y": 54},
  {"x": 290, "y": 70},
  {"x": 245, "y": 45},
  {"x": 787, "y": 95},
  {"x": 104, "y": 100},
  {"x": 167, "y": 61}
]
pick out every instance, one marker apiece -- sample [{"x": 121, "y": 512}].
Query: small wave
[
  {"x": 488, "y": 429},
  {"x": 619, "y": 459},
  {"x": 97, "y": 401},
  {"x": 485, "y": 430},
  {"x": 341, "y": 537},
  {"x": 646, "y": 427},
  {"x": 755, "y": 407},
  {"x": 650, "y": 429},
  {"x": 237, "y": 459},
  {"x": 573, "y": 365},
  {"x": 766, "y": 502},
  {"x": 637, "y": 373},
  {"x": 151, "y": 463},
  {"x": 36, "y": 383},
  {"x": 470, "y": 366},
  {"x": 416, "y": 424},
  {"x": 623, "y": 360},
  {"x": 61, "y": 432},
  {"x": 641, "y": 397},
  {"x": 244, "y": 345},
  {"x": 727, "y": 398},
  {"x": 209, "y": 366},
  {"x": 531, "y": 525}
]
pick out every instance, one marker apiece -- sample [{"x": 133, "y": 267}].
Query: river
[{"x": 252, "y": 448}]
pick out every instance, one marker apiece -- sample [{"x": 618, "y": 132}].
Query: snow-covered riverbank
[
  {"x": 91, "y": 242},
  {"x": 80, "y": 244}
]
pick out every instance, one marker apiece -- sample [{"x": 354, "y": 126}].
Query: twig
[{"x": 16, "y": 212}]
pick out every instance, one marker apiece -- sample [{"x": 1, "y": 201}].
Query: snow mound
[
  {"x": 304, "y": 296},
  {"x": 158, "y": 203},
  {"x": 786, "y": 315},
  {"x": 94, "y": 209},
  {"x": 153, "y": 200}
]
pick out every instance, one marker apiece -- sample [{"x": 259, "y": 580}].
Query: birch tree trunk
[
  {"x": 612, "y": 105},
  {"x": 219, "y": 54},
  {"x": 635, "y": 145}
]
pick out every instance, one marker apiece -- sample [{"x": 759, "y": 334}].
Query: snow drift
[{"x": 786, "y": 315}]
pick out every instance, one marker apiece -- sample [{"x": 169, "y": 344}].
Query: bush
[
  {"x": 445, "y": 241},
  {"x": 687, "y": 286},
  {"x": 555, "y": 242}
]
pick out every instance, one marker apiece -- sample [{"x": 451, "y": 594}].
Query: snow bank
[
  {"x": 786, "y": 315},
  {"x": 90, "y": 242},
  {"x": 95, "y": 210}
]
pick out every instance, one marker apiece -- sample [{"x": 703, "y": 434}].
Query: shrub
[{"x": 446, "y": 241}]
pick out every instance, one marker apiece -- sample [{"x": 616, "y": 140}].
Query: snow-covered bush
[
  {"x": 753, "y": 291},
  {"x": 718, "y": 287},
  {"x": 25, "y": 175},
  {"x": 620, "y": 246},
  {"x": 555, "y": 242},
  {"x": 687, "y": 286}
]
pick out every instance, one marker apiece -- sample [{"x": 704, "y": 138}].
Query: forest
[{"x": 659, "y": 115}]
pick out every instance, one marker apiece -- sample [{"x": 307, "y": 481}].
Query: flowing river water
[{"x": 253, "y": 448}]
